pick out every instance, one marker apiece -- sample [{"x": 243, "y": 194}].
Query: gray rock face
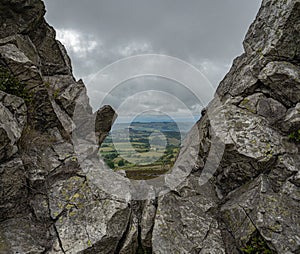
[
  {"x": 56, "y": 61},
  {"x": 22, "y": 18},
  {"x": 105, "y": 118},
  {"x": 278, "y": 75},
  {"x": 20, "y": 65},
  {"x": 23, "y": 43},
  {"x": 48, "y": 204},
  {"x": 86, "y": 217},
  {"x": 243, "y": 187},
  {"x": 292, "y": 119},
  {"x": 253, "y": 193},
  {"x": 273, "y": 36},
  {"x": 185, "y": 222},
  {"x": 13, "y": 119},
  {"x": 257, "y": 207}
]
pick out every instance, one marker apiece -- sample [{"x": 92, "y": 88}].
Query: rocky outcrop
[
  {"x": 48, "y": 205},
  {"x": 242, "y": 193},
  {"x": 13, "y": 119},
  {"x": 252, "y": 195}
]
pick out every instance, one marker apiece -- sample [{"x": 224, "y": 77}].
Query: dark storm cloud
[{"x": 205, "y": 33}]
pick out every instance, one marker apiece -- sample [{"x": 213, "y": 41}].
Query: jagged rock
[
  {"x": 238, "y": 171},
  {"x": 65, "y": 120},
  {"x": 275, "y": 32},
  {"x": 257, "y": 175},
  {"x": 131, "y": 244},
  {"x": 19, "y": 16},
  {"x": 147, "y": 222},
  {"x": 271, "y": 110},
  {"x": 51, "y": 197},
  {"x": 277, "y": 75},
  {"x": 70, "y": 95},
  {"x": 20, "y": 65},
  {"x": 53, "y": 54},
  {"x": 86, "y": 218},
  {"x": 43, "y": 116},
  {"x": 257, "y": 207},
  {"x": 13, "y": 118},
  {"x": 25, "y": 45},
  {"x": 273, "y": 36},
  {"x": 66, "y": 92},
  {"x": 251, "y": 102},
  {"x": 33, "y": 238},
  {"x": 291, "y": 122},
  {"x": 105, "y": 118},
  {"x": 12, "y": 188},
  {"x": 16, "y": 106},
  {"x": 185, "y": 222}
]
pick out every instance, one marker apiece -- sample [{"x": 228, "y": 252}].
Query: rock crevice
[{"x": 49, "y": 204}]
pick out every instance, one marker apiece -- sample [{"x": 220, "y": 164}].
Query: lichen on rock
[{"x": 50, "y": 203}]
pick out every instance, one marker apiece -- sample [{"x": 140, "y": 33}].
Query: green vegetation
[
  {"x": 110, "y": 164},
  {"x": 295, "y": 136},
  {"x": 121, "y": 163},
  {"x": 11, "y": 85},
  {"x": 56, "y": 93},
  {"x": 257, "y": 245},
  {"x": 137, "y": 157}
]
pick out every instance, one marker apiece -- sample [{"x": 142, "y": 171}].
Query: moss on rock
[{"x": 11, "y": 85}]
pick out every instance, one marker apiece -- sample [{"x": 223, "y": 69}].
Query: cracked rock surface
[
  {"x": 244, "y": 186},
  {"x": 254, "y": 190}
]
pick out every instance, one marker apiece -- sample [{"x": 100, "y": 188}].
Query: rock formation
[{"x": 48, "y": 204}]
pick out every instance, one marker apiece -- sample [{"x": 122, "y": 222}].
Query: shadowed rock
[{"x": 244, "y": 186}]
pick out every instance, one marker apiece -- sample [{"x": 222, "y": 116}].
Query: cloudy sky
[{"x": 207, "y": 34}]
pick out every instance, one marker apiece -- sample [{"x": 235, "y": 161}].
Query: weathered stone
[
  {"x": 44, "y": 116},
  {"x": 185, "y": 222},
  {"x": 13, "y": 188},
  {"x": 271, "y": 109},
  {"x": 33, "y": 238},
  {"x": 86, "y": 218},
  {"x": 24, "y": 44},
  {"x": 16, "y": 106},
  {"x": 66, "y": 91},
  {"x": 65, "y": 120},
  {"x": 257, "y": 207},
  {"x": 105, "y": 117},
  {"x": 236, "y": 177},
  {"x": 277, "y": 75},
  {"x": 286, "y": 166},
  {"x": 250, "y": 102},
  {"x": 291, "y": 122},
  {"x": 257, "y": 176},
  {"x": 147, "y": 222},
  {"x": 12, "y": 123},
  {"x": 275, "y": 32},
  {"x": 273, "y": 36},
  {"x": 20, "y": 65},
  {"x": 20, "y": 16},
  {"x": 131, "y": 244},
  {"x": 54, "y": 58}
]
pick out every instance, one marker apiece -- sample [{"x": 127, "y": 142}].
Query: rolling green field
[{"x": 143, "y": 151}]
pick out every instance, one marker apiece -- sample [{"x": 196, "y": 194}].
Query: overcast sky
[{"x": 207, "y": 34}]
